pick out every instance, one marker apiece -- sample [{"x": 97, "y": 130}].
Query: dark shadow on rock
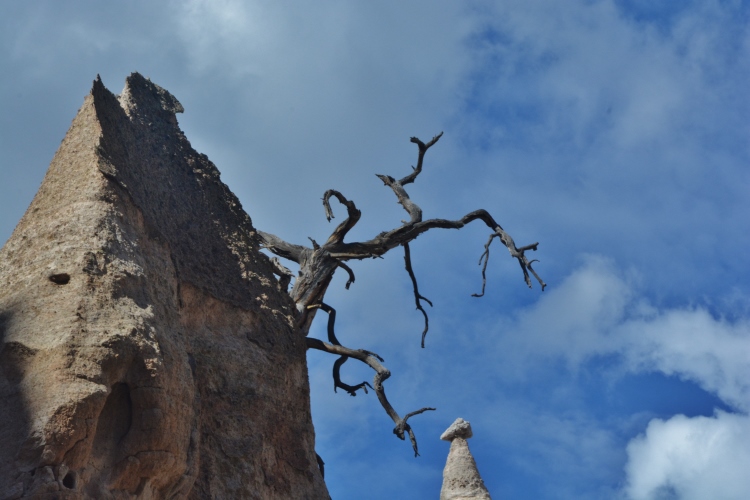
[{"x": 13, "y": 414}]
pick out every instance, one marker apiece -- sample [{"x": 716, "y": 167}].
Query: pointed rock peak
[
  {"x": 146, "y": 97},
  {"x": 460, "y": 428},
  {"x": 98, "y": 86},
  {"x": 132, "y": 289},
  {"x": 461, "y": 479}
]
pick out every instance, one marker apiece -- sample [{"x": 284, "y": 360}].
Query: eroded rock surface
[
  {"x": 146, "y": 349},
  {"x": 461, "y": 479}
]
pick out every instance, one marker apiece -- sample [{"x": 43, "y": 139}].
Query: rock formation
[
  {"x": 461, "y": 479},
  {"x": 146, "y": 349}
]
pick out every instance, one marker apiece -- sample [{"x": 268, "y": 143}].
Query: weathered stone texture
[
  {"x": 146, "y": 350},
  {"x": 461, "y": 479}
]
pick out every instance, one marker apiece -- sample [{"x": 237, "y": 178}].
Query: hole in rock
[
  {"x": 69, "y": 481},
  {"x": 60, "y": 279}
]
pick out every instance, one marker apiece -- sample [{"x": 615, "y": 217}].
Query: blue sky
[{"x": 615, "y": 133}]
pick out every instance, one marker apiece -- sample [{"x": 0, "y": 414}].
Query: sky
[{"x": 614, "y": 132}]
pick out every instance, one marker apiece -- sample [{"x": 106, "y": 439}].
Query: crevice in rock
[{"x": 113, "y": 424}]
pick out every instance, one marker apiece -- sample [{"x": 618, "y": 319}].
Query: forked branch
[
  {"x": 381, "y": 375},
  {"x": 318, "y": 264},
  {"x": 420, "y": 159},
  {"x": 404, "y": 234},
  {"x": 337, "y": 383}
]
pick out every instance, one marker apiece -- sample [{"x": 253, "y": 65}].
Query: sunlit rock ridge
[{"x": 146, "y": 349}]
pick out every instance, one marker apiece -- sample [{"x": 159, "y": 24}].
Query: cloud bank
[{"x": 691, "y": 459}]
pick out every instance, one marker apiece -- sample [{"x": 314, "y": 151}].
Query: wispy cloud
[{"x": 599, "y": 311}]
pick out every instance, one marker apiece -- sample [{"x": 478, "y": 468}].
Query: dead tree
[{"x": 318, "y": 263}]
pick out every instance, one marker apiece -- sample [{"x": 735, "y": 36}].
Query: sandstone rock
[
  {"x": 461, "y": 479},
  {"x": 460, "y": 428},
  {"x": 146, "y": 349}
]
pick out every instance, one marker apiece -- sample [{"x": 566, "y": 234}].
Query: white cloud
[
  {"x": 599, "y": 312},
  {"x": 690, "y": 343},
  {"x": 596, "y": 311},
  {"x": 691, "y": 459},
  {"x": 590, "y": 64}
]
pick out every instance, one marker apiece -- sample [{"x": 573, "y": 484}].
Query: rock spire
[
  {"x": 461, "y": 479},
  {"x": 146, "y": 349}
]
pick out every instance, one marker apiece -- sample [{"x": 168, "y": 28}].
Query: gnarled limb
[
  {"x": 281, "y": 248},
  {"x": 349, "y": 272},
  {"x": 415, "y": 213},
  {"x": 318, "y": 264},
  {"x": 420, "y": 159},
  {"x": 353, "y": 215},
  {"x": 381, "y": 375},
  {"x": 417, "y": 296},
  {"x": 351, "y": 389},
  {"x": 408, "y": 232},
  {"x": 284, "y": 274}
]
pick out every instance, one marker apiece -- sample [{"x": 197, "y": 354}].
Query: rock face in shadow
[{"x": 146, "y": 349}]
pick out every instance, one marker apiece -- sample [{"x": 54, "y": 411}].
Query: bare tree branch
[
  {"x": 422, "y": 150},
  {"x": 353, "y": 215},
  {"x": 351, "y": 389},
  {"x": 415, "y": 213},
  {"x": 381, "y": 375},
  {"x": 408, "y": 232},
  {"x": 284, "y": 274},
  {"x": 318, "y": 264},
  {"x": 417, "y": 296},
  {"x": 289, "y": 251},
  {"x": 485, "y": 257},
  {"x": 349, "y": 272},
  {"x": 535, "y": 274}
]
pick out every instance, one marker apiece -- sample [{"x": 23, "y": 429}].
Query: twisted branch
[
  {"x": 351, "y": 389},
  {"x": 349, "y": 272},
  {"x": 381, "y": 375},
  {"x": 408, "y": 232},
  {"x": 281, "y": 248},
  {"x": 318, "y": 264},
  {"x": 284, "y": 274},
  {"x": 353, "y": 215},
  {"x": 422, "y": 150},
  {"x": 486, "y": 258},
  {"x": 415, "y": 213},
  {"x": 417, "y": 296}
]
